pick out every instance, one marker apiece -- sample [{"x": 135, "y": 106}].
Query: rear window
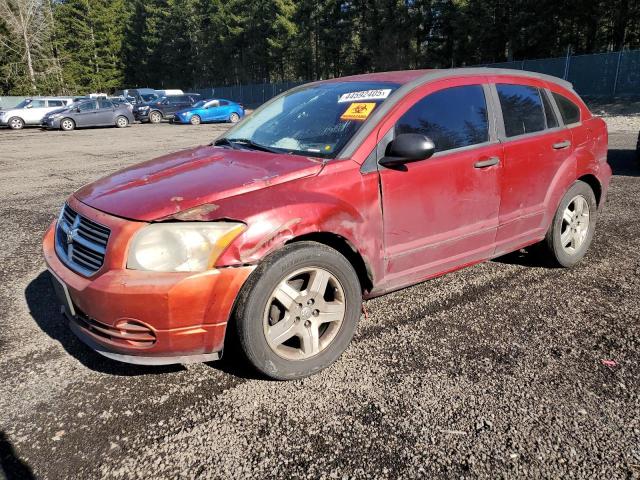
[
  {"x": 452, "y": 118},
  {"x": 568, "y": 110},
  {"x": 522, "y": 109}
]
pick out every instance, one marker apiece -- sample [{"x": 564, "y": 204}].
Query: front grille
[{"x": 81, "y": 243}]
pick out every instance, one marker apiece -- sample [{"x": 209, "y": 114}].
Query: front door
[
  {"x": 442, "y": 213},
  {"x": 86, "y": 114}
]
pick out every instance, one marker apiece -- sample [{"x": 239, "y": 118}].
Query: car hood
[{"x": 177, "y": 182}]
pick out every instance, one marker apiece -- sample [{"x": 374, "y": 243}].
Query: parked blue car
[{"x": 212, "y": 110}]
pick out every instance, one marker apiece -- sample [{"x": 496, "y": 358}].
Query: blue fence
[
  {"x": 597, "y": 75},
  {"x": 251, "y": 96}
]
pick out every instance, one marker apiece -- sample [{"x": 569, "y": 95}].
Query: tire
[
  {"x": 234, "y": 118},
  {"x": 16, "y": 123},
  {"x": 195, "y": 120},
  {"x": 67, "y": 124},
  {"x": 155, "y": 117},
  {"x": 333, "y": 319},
  {"x": 122, "y": 121},
  {"x": 571, "y": 233}
]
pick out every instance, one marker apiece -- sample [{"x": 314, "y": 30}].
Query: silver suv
[{"x": 31, "y": 111}]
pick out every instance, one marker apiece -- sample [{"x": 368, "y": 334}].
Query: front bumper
[
  {"x": 141, "y": 115},
  {"x": 176, "y": 317},
  {"x": 51, "y": 123}
]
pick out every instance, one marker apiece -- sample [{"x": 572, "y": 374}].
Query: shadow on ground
[
  {"x": 624, "y": 162},
  {"x": 45, "y": 310},
  {"x": 11, "y": 467}
]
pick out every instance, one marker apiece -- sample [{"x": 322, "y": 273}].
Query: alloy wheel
[
  {"x": 304, "y": 313},
  {"x": 575, "y": 225},
  {"x": 234, "y": 118},
  {"x": 122, "y": 122},
  {"x": 16, "y": 123},
  {"x": 67, "y": 124}
]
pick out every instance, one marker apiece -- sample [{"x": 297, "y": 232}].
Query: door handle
[
  {"x": 561, "y": 145},
  {"x": 489, "y": 162}
]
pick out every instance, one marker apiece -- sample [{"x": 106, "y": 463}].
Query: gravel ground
[{"x": 494, "y": 371}]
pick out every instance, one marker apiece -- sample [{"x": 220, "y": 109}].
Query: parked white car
[{"x": 31, "y": 111}]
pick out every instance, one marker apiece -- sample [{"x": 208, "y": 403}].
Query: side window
[
  {"x": 175, "y": 100},
  {"x": 223, "y": 103},
  {"x": 87, "y": 106},
  {"x": 56, "y": 103},
  {"x": 38, "y": 104},
  {"x": 550, "y": 115},
  {"x": 521, "y": 109},
  {"x": 105, "y": 104},
  {"x": 453, "y": 118},
  {"x": 569, "y": 110}
]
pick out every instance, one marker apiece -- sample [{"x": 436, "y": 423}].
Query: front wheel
[
  {"x": 122, "y": 122},
  {"x": 234, "y": 118},
  {"x": 16, "y": 123},
  {"x": 67, "y": 124},
  {"x": 573, "y": 226},
  {"x": 155, "y": 117},
  {"x": 298, "y": 311},
  {"x": 195, "y": 120}
]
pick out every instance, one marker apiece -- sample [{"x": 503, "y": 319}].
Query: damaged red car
[{"x": 332, "y": 192}]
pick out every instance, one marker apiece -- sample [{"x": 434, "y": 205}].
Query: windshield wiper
[
  {"x": 251, "y": 144},
  {"x": 224, "y": 141}
]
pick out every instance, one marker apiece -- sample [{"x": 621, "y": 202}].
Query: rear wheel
[
  {"x": 67, "y": 124},
  {"x": 573, "y": 226},
  {"x": 122, "y": 122},
  {"x": 155, "y": 117},
  {"x": 16, "y": 123},
  {"x": 298, "y": 311},
  {"x": 234, "y": 118},
  {"x": 195, "y": 120}
]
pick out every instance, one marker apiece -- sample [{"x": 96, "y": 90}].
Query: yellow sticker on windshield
[{"x": 358, "y": 111}]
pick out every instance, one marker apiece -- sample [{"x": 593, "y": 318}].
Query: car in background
[
  {"x": 332, "y": 192},
  {"x": 99, "y": 112},
  {"x": 212, "y": 110},
  {"x": 31, "y": 111},
  {"x": 122, "y": 101},
  {"x": 164, "y": 107}
]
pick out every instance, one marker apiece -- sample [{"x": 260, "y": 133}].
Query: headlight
[
  {"x": 181, "y": 247},
  {"x": 143, "y": 108}
]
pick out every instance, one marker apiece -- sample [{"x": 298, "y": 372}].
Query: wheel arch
[
  {"x": 595, "y": 185},
  {"x": 345, "y": 248}
]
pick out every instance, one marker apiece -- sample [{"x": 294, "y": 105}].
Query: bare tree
[{"x": 28, "y": 32}]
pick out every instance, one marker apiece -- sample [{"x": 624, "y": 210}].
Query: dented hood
[{"x": 174, "y": 183}]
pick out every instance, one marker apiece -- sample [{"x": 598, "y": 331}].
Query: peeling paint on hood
[{"x": 181, "y": 181}]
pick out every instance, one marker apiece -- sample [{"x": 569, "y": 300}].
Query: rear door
[
  {"x": 105, "y": 112},
  {"x": 442, "y": 212},
  {"x": 536, "y": 147}
]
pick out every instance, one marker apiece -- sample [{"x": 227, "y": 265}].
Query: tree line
[{"x": 77, "y": 46}]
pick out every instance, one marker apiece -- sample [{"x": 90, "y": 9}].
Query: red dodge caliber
[{"x": 332, "y": 192}]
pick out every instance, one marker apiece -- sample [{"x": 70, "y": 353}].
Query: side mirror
[
  {"x": 408, "y": 147},
  {"x": 77, "y": 109}
]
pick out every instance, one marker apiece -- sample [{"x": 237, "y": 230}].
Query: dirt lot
[{"x": 494, "y": 371}]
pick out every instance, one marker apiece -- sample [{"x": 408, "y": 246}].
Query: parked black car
[
  {"x": 165, "y": 107},
  {"x": 89, "y": 113}
]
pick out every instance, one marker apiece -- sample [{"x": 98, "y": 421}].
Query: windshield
[
  {"x": 147, "y": 97},
  {"x": 23, "y": 103},
  {"x": 316, "y": 121}
]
